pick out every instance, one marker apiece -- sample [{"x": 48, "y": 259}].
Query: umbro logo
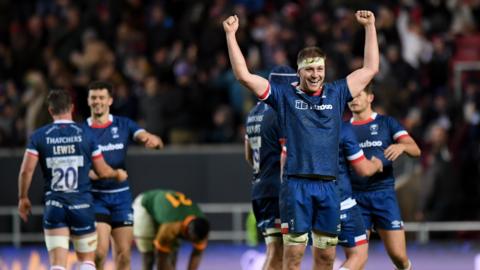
[
  {"x": 302, "y": 105},
  {"x": 397, "y": 224}
]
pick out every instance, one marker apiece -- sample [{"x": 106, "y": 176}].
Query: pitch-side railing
[{"x": 237, "y": 212}]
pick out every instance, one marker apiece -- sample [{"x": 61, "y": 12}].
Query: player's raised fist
[
  {"x": 365, "y": 17},
  {"x": 230, "y": 25}
]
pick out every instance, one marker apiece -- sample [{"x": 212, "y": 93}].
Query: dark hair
[
  {"x": 369, "y": 88},
  {"x": 199, "y": 228},
  {"x": 98, "y": 85},
  {"x": 310, "y": 52},
  {"x": 59, "y": 101}
]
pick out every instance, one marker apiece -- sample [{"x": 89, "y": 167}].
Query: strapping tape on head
[{"x": 311, "y": 61}]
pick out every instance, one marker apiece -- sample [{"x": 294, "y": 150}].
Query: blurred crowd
[{"x": 168, "y": 62}]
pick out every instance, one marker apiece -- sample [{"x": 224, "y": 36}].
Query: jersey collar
[
  {"x": 63, "y": 121},
  {"x": 301, "y": 92},
  {"x": 93, "y": 125},
  {"x": 372, "y": 117}
]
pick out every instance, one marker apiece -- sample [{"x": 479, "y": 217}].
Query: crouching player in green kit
[{"x": 162, "y": 218}]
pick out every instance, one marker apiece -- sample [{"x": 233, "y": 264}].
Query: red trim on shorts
[{"x": 361, "y": 242}]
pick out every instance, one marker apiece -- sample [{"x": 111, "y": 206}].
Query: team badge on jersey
[
  {"x": 301, "y": 105},
  {"x": 114, "y": 131},
  {"x": 374, "y": 129}
]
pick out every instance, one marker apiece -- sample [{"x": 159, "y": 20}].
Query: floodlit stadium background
[{"x": 168, "y": 62}]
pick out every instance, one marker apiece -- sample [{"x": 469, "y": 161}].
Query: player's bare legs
[
  {"x": 395, "y": 244},
  {"x": 274, "y": 255},
  {"x": 103, "y": 231},
  {"x": 166, "y": 261},
  {"x": 148, "y": 258},
  {"x": 356, "y": 257},
  {"x": 85, "y": 246},
  {"x": 122, "y": 242},
  {"x": 58, "y": 255},
  {"x": 323, "y": 259},
  {"x": 292, "y": 256}
]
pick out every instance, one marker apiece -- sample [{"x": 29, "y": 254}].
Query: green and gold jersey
[{"x": 167, "y": 206}]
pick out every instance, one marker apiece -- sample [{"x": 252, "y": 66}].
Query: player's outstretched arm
[
  {"x": 195, "y": 258},
  {"x": 405, "y": 144},
  {"x": 251, "y": 81},
  {"x": 27, "y": 169},
  {"x": 359, "y": 79},
  {"x": 367, "y": 167},
  {"x": 149, "y": 140},
  {"x": 165, "y": 236},
  {"x": 103, "y": 170}
]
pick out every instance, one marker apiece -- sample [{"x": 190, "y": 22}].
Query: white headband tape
[{"x": 312, "y": 61}]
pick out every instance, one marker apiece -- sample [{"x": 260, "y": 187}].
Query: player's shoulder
[
  {"x": 386, "y": 118},
  {"x": 122, "y": 120},
  {"x": 346, "y": 130},
  {"x": 285, "y": 87},
  {"x": 335, "y": 85},
  {"x": 41, "y": 131},
  {"x": 256, "y": 108}
]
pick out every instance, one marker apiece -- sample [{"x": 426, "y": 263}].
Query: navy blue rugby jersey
[
  {"x": 65, "y": 153},
  {"x": 349, "y": 153},
  {"x": 311, "y": 125},
  {"x": 113, "y": 139},
  {"x": 375, "y": 135},
  {"x": 263, "y": 135}
]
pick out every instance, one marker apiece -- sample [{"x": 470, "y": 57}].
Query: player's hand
[
  {"x": 121, "y": 175},
  {"x": 92, "y": 175},
  {"x": 394, "y": 151},
  {"x": 365, "y": 17},
  {"x": 378, "y": 163},
  {"x": 24, "y": 208},
  {"x": 153, "y": 142},
  {"x": 230, "y": 25}
]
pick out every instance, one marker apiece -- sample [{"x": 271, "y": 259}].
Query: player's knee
[
  {"x": 324, "y": 258},
  {"x": 85, "y": 244},
  {"x": 357, "y": 258},
  {"x": 275, "y": 250},
  {"x": 363, "y": 257},
  {"x": 56, "y": 241},
  {"x": 100, "y": 257},
  {"x": 123, "y": 258},
  {"x": 295, "y": 239},
  {"x": 323, "y": 241},
  {"x": 398, "y": 257}
]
